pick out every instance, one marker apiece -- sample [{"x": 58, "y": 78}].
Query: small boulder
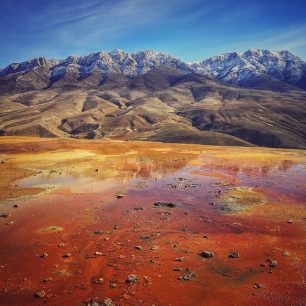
[
  {"x": 40, "y": 294},
  {"x": 233, "y": 255},
  {"x": 273, "y": 263},
  {"x": 107, "y": 302},
  {"x": 4, "y": 215},
  {"x": 207, "y": 254},
  {"x": 132, "y": 278},
  {"x": 164, "y": 204}
]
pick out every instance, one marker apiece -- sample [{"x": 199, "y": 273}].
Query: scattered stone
[
  {"x": 233, "y": 255},
  {"x": 207, "y": 254},
  {"x": 98, "y": 281},
  {"x": 187, "y": 276},
  {"x": 154, "y": 248},
  {"x": 258, "y": 286},
  {"x": 107, "y": 302},
  {"x": 290, "y": 221},
  {"x": 138, "y": 247},
  {"x": 180, "y": 259},
  {"x": 15, "y": 205},
  {"x": 120, "y": 195},
  {"x": 40, "y": 294},
  {"x": 286, "y": 253},
  {"x": 138, "y": 208},
  {"x": 66, "y": 255},
  {"x": 131, "y": 279},
  {"x": 48, "y": 279},
  {"x": 116, "y": 227},
  {"x": 178, "y": 269},
  {"x": 147, "y": 279},
  {"x": 44, "y": 255},
  {"x": 4, "y": 215},
  {"x": 61, "y": 245},
  {"x": 9, "y": 223},
  {"x": 273, "y": 263},
  {"x": 112, "y": 285},
  {"x": 97, "y": 170},
  {"x": 164, "y": 204},
  {"x": 205, "y": 236},
  {"x": 98, "y": 254},
  {"x": 51, "y": 229}
]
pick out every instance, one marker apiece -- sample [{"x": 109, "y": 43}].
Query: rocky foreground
[{"x": 136, "y": 223}]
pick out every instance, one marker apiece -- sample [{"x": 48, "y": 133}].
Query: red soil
[{"x": 195, "y": 178}]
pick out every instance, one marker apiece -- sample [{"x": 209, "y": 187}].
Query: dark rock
[
  {"x": 178, "y": 269},
  {"x": 138, "y": 247},
  {"x": 66, "y": 255},
  {"x": 207, "y": 254},
  {"x": 44, "y": 255},
  {"x": 138, "y": 208},
  {"x": 4, "y": 215},
  {"x": 164, "y": 204},
  {"x": 233, "y": 255},
  {"x": 180, "y": 259}
]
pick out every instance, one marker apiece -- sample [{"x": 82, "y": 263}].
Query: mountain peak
[{"x": 233, "y": 67}]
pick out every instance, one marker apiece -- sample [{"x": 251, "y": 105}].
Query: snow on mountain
[
  {"x": 27, "y": 66},
  {"x": 239, "y": 67},
  {"x": 117, "y": 61},
  {"x": 235, "y": 68}
]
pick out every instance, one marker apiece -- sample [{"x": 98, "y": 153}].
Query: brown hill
[{"x": 163, "y": 104}]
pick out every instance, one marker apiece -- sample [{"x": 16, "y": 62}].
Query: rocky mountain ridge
[{"x": 263, "y": 69}]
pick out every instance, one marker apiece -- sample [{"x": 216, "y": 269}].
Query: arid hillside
[{"x": 164, "y": 104}]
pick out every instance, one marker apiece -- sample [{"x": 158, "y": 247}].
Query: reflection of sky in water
[
  {"x": 283, "y": 176},
  {"x": 115, "y": 171}
]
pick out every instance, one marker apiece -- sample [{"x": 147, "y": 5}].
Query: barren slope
[{"x": 164, "y": 105}]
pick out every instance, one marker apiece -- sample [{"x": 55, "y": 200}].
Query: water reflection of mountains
[
  {"x": 124, "y": 168},
  {"x": 259, "y": 169}
]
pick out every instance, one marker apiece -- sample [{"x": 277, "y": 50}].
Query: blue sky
[{"x": 188, "y": 29}]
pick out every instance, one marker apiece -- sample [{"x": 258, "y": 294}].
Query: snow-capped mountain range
[{"x": 234, "y": 68}]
